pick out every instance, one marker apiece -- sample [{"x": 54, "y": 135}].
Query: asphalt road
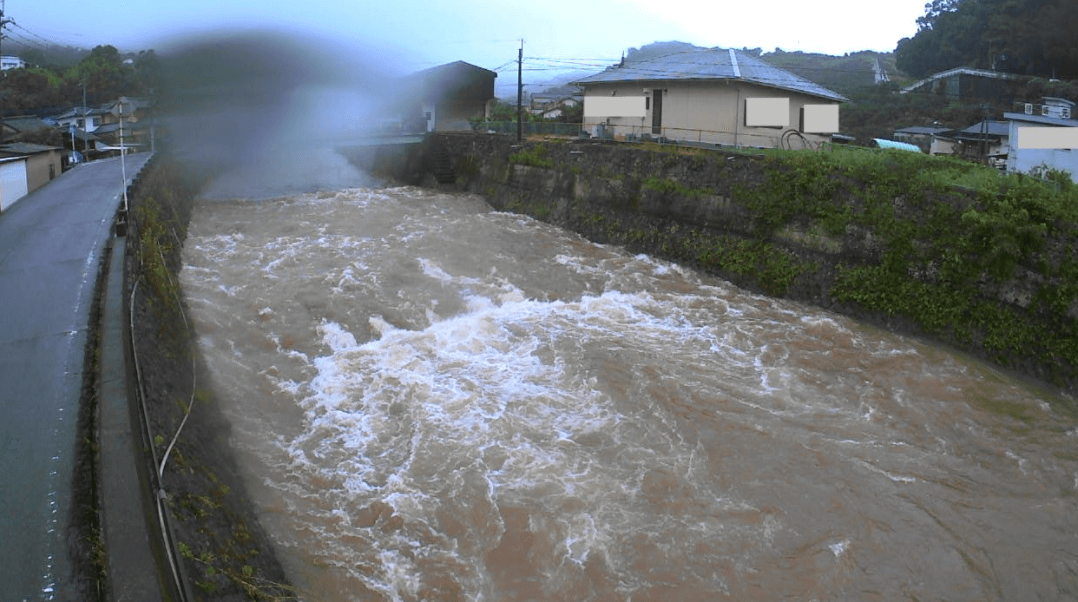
[{"x": 51, "y": 243}]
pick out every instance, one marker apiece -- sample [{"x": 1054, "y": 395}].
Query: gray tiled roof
[
  {"x": 27, "y": 148},
  {"x": 710, "y": 64},
  {"x": 995, "y": 128},
  {"x": 925, "y": 130}
]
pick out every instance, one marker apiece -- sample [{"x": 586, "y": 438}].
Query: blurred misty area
[{"x": 262, "y": 111}]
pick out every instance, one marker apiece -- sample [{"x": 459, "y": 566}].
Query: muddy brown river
[{"x": 432, "y": 400}]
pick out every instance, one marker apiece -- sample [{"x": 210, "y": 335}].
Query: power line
[
  {"x": 31, "y": 33},
  {"x": 26, "y": 41},
  {"x": 51, "y": 42}
]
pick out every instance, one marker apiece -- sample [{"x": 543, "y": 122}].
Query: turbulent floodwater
[{"x": 436, "y": 401}]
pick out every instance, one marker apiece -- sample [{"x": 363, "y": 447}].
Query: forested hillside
[
  {"x": 67, "y": 77},
  {"x": 1029, "y": 37},
  {"x": 846, "y": 74}
]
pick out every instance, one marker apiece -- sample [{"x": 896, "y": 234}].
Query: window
[{"x": 767, "y": 112}]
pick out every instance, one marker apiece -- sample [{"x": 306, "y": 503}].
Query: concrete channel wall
[
  {"x": 136, "y": 553},
  {"x": 701, "y": 209}
]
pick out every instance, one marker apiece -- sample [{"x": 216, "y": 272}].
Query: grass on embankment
[
  {"x": 934, "y": 245},
  {"x": 950, "y": 235}
]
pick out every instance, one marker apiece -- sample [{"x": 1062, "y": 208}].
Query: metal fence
[
  {"x": 788, "y": 139},
  {"x": 543, "y": 128}
]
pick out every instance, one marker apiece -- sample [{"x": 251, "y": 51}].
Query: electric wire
[{"x": 20, "y": 27}]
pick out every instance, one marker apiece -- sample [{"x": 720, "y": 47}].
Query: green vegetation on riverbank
[
  {"x": 925, "y": 245},
  {"x": 225, "y": 554},
  {"x": 946, "y": 232}
]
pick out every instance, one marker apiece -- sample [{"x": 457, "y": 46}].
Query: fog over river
[{"x": 432, "y": 400}]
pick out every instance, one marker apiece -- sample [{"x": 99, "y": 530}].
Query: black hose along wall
[{"x": 222, "y": 550}]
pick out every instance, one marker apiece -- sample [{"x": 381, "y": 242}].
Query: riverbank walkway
[{"x": 51, "y": 246}]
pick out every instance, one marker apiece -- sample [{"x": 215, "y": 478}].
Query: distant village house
[
  {"x": 984, "y": 142},
  {"x": 966, "y": 84},
  {"x": 26, "y": 167},
  {"x": 551, "y": 104},
  {"x": 714, "y": 96},
  {"x": 95, "y": 131},
  {"x": 1044, "y": 138},
  {"x": 447, "y": 97},
  {"x": 11, "y": 62},
  {"x": 927, "y": 138}
]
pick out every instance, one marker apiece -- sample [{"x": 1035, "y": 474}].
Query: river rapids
[{"x": 432, "y": 400}]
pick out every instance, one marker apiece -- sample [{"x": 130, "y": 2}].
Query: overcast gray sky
[{"x": 422, "y": 33}]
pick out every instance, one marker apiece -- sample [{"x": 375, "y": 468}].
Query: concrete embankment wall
[
  {"x": 205, "y": 537},
  {"x": 922, "y": 262}
]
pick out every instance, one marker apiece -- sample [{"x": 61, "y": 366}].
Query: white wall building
[
  {"x": 715, "y": 96},
  {"x": 83, "y": 118},
  {"x": 12, "y": 181},
  {"x": 1043, "y": 138},
  {"x": 11, "y": 62}
]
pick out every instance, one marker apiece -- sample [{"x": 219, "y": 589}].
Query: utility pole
[
  {"x": 123, "y": 152},
  {"x": 3, "y": 23},
  {"x": 520, "y": 90},
  {"x": 85, "y": 121}
]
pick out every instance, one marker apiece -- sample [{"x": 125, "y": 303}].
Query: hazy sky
[{"x": 422, "y": 33}]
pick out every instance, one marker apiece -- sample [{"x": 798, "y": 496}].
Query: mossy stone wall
[{"x": 919, "y": 245}]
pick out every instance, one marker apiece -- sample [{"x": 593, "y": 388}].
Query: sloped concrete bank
[
  {"x": 220, "y": 551},
  {"x": 906, "y": 260}
]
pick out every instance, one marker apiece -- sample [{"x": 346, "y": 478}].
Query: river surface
[{"x": 432, "y": 400}]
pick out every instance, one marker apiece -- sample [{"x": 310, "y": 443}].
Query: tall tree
[
  {"x": 103, "y": 74},
  {"x": 1034, "y": 37}
]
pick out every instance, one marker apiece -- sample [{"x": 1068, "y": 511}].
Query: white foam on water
[
  {"x": 613, "y": 415},
  {"x": 495, "y": 393}
]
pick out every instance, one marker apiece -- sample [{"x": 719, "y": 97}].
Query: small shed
[
  {"x": 43, "y": 163},
  {"x": 12, "y": 181},
  {"x": 448, "y": 96},
  {"x": 929, "y": 138},
  {"x": 983, "y": 142}
]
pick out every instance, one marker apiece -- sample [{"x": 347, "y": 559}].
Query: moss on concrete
[
  {"x": 930, "y": 246},
  {"x": 226, "y": 554}
]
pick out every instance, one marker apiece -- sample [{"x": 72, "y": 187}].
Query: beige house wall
[
  {"x": 943, "y": 147},
  {"x": 455, "y": 116},
  {"x": 700, "y": 111},
  {"x": 42, "y": 167}
]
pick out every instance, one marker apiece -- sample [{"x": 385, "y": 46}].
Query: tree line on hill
[
  {"x": 1028, "y": 37},
  {"x": 69, "y": 77}
]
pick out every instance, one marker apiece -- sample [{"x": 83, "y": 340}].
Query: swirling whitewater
[{"x": 435, "y": 401}]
